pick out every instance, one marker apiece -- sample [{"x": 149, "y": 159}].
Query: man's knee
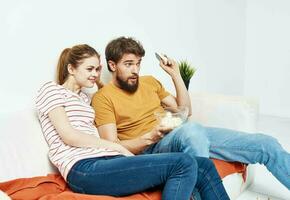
[
  {"x": 267, "y": 143},
  {"x": 191, "y": 138},
  {"x": 192, "y": 132}
]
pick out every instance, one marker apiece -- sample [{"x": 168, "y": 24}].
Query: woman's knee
[
  {"x": 187, "y": 163},
  {"x": 201, "y": 161},
  {"x": 205, "y": 165}
]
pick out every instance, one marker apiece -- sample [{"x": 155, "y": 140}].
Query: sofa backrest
[
  {"x": 232, "y": 112},
  {"x": 23, "y": 150}
]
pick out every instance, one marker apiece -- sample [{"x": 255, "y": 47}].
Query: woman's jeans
[
  {"x": 120, "y": 176},
  {"x": 177, "y": 173},
  {"x": 230, "y": 145}
]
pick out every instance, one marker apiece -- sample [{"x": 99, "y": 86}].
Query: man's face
[{"x": 127, "y": 72}]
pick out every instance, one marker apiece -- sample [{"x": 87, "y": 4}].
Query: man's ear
[
  {"x": 70, "y": 69},
  {"x": 112, "y": 65}
]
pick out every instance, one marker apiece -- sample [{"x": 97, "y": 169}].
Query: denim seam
[
  {"x": 209, "y": 181},
  {"x": 178, "y": 187},
  {"x": 116, "y": 171},
  {"x": 213, "y": 188},
  {"x": 77, "y": 172},
  {"x": 80, "y": 188}
]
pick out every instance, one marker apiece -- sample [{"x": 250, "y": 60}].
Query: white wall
[
  {"x": 267, "y": 65},
  {"x": 209, "y": 34},
  {"x": 239, "y": 47},
  {"x": 220, "y": 29}
]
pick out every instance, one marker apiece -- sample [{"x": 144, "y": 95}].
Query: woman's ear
[
  {"x": 70, "y": 69},
  {"x": 112, "y": 65}
]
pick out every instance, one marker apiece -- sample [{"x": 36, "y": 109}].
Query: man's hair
[{"x": 120, "y": 46}]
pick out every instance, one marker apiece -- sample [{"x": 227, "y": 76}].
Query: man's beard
[{"x": 126, "y": 86}]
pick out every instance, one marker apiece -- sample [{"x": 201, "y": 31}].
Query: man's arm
[
  {"x": 136, "y": 145},
  {"x": 182, "y": 96},
  {"x": 105, "y": 122}
]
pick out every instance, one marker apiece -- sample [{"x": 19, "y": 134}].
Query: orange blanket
[
  {"x": 53, "y": 187},
  {"x": 226, "y": 168}
]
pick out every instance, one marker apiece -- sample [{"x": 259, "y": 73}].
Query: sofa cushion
[{"x": 233, "y": 112}]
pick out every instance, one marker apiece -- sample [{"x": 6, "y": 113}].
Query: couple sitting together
[{"x": 112, "y": 144}]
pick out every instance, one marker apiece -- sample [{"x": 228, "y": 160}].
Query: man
[{"x": 125, "y": 114}]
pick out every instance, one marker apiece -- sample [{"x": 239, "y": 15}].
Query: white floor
[
  {"x": 249, "y": 195},
  {"x": 275, "y": 126}
]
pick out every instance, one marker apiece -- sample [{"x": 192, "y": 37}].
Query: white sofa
[
  {"x": 242, "y": 113},
  {"x": 23, "y": 150}
]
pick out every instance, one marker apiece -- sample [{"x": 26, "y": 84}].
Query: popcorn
[{"x": 170, "y": 121}]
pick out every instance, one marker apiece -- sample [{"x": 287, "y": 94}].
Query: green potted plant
[{"x": 186, "y": 71}]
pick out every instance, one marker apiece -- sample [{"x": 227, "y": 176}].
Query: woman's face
[{"x": 87, "y": 72}]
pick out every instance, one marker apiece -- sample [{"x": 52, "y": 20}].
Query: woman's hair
[
  {"x": 120, "y": 46},
  {"x": 73, "y": 56}
]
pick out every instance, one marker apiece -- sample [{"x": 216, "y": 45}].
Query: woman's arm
[
  {"x": 76, "y": 138},
  {"x": 99, "y": 84}
]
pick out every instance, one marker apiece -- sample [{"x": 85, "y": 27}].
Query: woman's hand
[
  {"x": 121, "y": 149},
  {"x": 99, "y": 83},
  {"x": 114, "y": 146},
  {"x": 125, "y": 151}
]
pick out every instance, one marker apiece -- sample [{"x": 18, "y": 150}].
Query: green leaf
[{"x": 186, "y": 70}]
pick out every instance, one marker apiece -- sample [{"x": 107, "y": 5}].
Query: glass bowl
[{"x": 172, "y": 117}]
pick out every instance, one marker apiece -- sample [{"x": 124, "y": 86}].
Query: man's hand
[
  {"x": 170, "y": 66},
  {"x": 182, "y": 96},
  {"x": 156, "y": 134}
]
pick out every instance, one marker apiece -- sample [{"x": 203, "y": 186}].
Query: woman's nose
[{"x": 95, "y": 73}]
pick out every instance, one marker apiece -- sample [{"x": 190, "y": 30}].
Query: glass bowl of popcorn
[{"x": 172, "y": 117}]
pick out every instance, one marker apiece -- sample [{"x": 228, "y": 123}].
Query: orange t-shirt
[{"x": 133, "y": 113}]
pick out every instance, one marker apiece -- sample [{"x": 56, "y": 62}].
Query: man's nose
[{"x": 135, "y": 69}]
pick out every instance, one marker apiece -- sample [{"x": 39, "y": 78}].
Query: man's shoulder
[
  {"x": 105, "y": 88},
  {"x": 148, "y": 78},
  {"x": 103, "y": 92}
]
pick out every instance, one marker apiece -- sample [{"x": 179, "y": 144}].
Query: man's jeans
[{"x": 229, "y": 145}]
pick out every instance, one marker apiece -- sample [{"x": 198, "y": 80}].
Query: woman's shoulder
[
  {"x": 48, "y": 84},
  {"x": 47, "y": 88}
]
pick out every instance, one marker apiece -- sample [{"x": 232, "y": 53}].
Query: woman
[{"x": 92, "y": 165}]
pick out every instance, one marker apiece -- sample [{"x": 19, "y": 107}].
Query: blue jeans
[
  {"x": 229, "y": 145},
  {"x": 120, "y": 175},
  {"x": 177, "y": 173}
]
